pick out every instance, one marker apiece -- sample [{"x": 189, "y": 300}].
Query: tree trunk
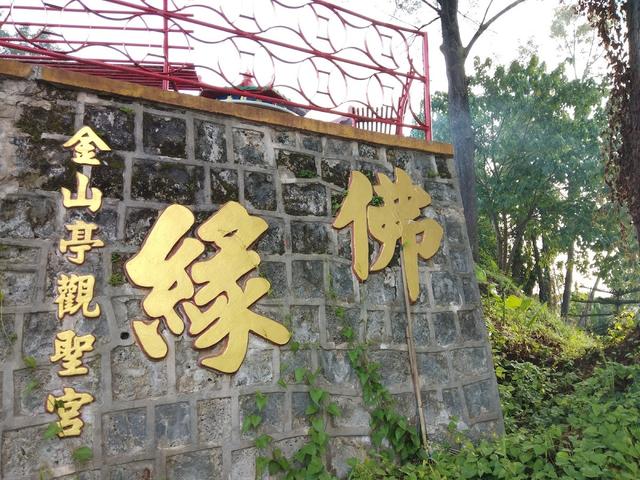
[
  {"x": 546, "y": 276},
  {"x": 460, "y": 116},
  {"x": 633, "y": 137},
  {"x": 568, "y": 282},
  {"x": 586, "y": 311},
  {"x": 517, "y": 259}
]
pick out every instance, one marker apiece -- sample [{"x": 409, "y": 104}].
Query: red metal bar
[
  {"x": 364, "y": 71},
  {"x": 427, "y": 94}
]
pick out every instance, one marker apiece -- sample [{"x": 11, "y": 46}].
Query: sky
[{"x": 529, "y": 21}]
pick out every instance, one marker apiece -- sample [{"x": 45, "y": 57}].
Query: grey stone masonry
[{"x": 172, "y": 419}]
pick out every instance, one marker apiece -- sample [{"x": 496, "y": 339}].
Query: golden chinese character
[
  {"x": 162, "y": 264},
  {"x": 86, "y": 142},
  {"x": 75, "y": 292},
  {"x": 396, "y": 219},
  {"x": 233, "y": 231},
  {"x": 69, "y": 348},
  {"x": 81, "y": 240},
  {"x": 67, "y": 407},
  {"x": 80, "y": 199},
  {"x": 354, "y": 211}
]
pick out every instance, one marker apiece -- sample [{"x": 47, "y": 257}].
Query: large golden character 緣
[{"x": 218, "y": 309}]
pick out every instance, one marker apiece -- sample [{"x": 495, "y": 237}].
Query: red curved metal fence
[{"x": 309, "y": 57}]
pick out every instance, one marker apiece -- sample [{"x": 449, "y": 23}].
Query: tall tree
[
  {"x": 455, "y": 54},
  {"x": 618, "y": 25}
]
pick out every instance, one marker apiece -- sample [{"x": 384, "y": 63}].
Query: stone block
[
  {"x": 375, "y": 331},
  {"x": 307, "y": 278},
  {"x": 168, "y": 182},
  {"x": 115, "y": 125},
  {"x": 399, "y": 327},
  {"x": 257, "y": 369},
  {"x": 301, "y": 165},
  {"x": 407, "y": 406},
  {"x": 290, "y": 361},
  {"x": 305, "y": 324},
  {"x": 341, "y": 280},
  {"x": 32, "y": 385},
  {"x": 25, "y": 452},
  {"x": 440, "y": 192},
  {"x": 453, "y": 402},
  {"x": 459, "y": 261},
  {"x": 224, "y": 185},
  {"x": 138, "y": 223},
  {"x": 58, "y": 264},
  {"x": 132, "y": 471},
  {"x": 311, "y": 142},
  {"x": 481, "y": 398},
  {"x": 469, "y": 328},
  {"x": 335, "y": 368},
  {"x": 38, "y": 333},
  {"x": 443, "y": 168},
  {"x": 273, "y": 414},
  {"x": 260, "y": 190},
  {"x": 382, "y": 288},
  {"x": 173, "y": 425},
  {"x": 199, "y": 465},
  {"x": 164, "y": 135},
  {"x": 308, "y": 237},
  {"x": 470, "y": 361},
  {"x": 453, "y": 229},
  {"x": 8, "y": 337},
  {"x": 276, "y": 273},
  {"x": 432, "y": 368},
  {"x": 91, "y": 475},
  {"x": 272, "y": 241},
  {"x": 399, "y": 158},
  {"x": 366, "y": 150},
  {"x": 395, "y": 367},
  {"x": 444, "y": 327},
  {"x": 210, "y": 142},
  {"x": 445, "y": 289},
  {"x": 339, "y": 318},
  {"x": 336, "y": 172},
  {"x": 342, "y": 449},
  {"x": 19, "y": 287},
  {"x": 125, "y": 432},
  {"x": 214, "y": 421},
  {"x": 248, "y": 147},
  {"x": 470, "y": 289},
  {"x": 284, "y": 137},
  {"x": 36, "y": 120},
  {"x": 190, "y": 376},
  {"x": 18, "y": 254},
  {"x": 106, "y": 219},
  {"x": 342, "y": 148},
  {"x": 353, "y": 413},
  {"x": 134, "y": 376},
  {"x": 300, "y": 401},
  {"x": 126, "y": 309},
  {"x": 243, "y": 464},
  {"x": 305, "y": 199},
  {"x": 421, "y": 330}
]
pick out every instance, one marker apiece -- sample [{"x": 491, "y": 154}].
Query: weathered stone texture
[{"x": 173, "y": 418}]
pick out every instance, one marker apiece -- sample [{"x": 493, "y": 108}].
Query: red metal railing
[{"x": 307, "y": 56}]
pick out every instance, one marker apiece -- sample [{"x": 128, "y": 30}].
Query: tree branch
[
  {"x": 485, "y": 24},
  {"x": 433, "y": 7}
]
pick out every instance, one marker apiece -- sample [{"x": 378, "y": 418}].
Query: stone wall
[{"x": 172, "y": 419}]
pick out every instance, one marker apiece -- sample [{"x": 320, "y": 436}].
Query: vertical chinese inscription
[
  {"x": 75, "y": 293},
  {"x": 393, "y": 219},
  {"x": 206, "y": 290}
]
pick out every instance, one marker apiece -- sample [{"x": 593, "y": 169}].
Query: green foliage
[
  {"x": 116, "y": 279},
  {"x": 82, "y": 454},
  {"x": 306, "y": 174},
  {"x": 52, "y": 430}
]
